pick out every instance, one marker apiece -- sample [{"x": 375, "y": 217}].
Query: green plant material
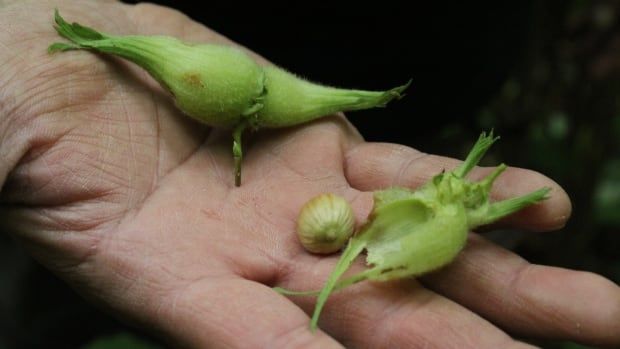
[
  {"x": 607, "y": 195},
  {"x": 572, "y": 345},
  {"x": 222, "y": 86},
  {"x": 412, "y": 232},
  {"x": 120, "y": 341}
]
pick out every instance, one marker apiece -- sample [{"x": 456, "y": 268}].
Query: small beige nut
[{"x": 325, "y": 223}]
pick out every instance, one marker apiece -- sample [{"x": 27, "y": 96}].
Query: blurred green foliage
[
  {"x": 559, "y": 111},
  {"x": 121, "y": 341},
  {"x": 607, "y": 195},
  {"x": 572, "y": 346}
]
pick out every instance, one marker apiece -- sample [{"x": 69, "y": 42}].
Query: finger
[
  {"x": 236, "y": 313},
  {"x": 392, "y": 314},
  {"x": 315, "y": 149},
  {"x": 530, "y": 299},
  {"x": 373, "y": 166}
]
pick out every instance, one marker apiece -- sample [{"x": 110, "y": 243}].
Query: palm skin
[{"x": 132, "y": 204}]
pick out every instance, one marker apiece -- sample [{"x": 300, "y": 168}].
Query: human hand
[{"x": 130, "y": 202}]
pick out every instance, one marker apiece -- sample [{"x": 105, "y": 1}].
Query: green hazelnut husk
[
  {"x": 413, "y": 232},
  {"x": 222, "y": 86}
]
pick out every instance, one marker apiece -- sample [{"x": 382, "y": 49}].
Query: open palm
[{"x": 134, "y": 205}]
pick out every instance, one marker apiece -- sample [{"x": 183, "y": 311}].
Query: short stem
[{"x": 238, "y": 151}]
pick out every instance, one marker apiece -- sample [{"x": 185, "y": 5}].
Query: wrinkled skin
[{"x": 131, "y": 203}]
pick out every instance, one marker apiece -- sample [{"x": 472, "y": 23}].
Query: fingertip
[{"x": 558, "y": 206}]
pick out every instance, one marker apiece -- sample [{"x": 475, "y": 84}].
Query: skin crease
[{"x": 130, "y": 202}]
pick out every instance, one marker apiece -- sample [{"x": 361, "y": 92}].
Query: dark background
[{"x": 544, "y": 75}]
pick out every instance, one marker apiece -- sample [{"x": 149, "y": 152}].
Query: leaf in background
[
  {"x": 607, "y": 195},
  {"x": 121, "y": 341}
]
